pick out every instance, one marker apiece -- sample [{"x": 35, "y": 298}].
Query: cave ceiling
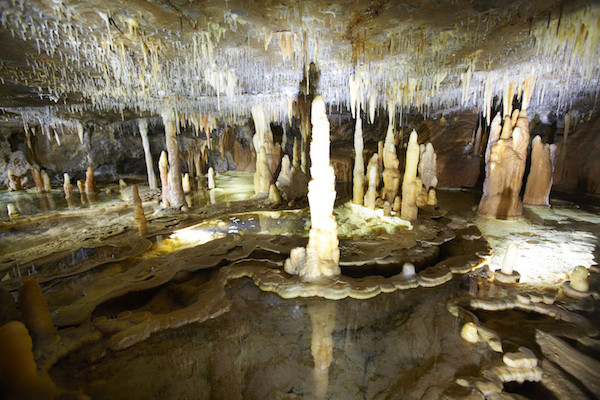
[{"x": 60, "y": 59}]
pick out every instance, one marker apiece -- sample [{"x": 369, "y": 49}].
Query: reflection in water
[{"x": 322, "y": 316}]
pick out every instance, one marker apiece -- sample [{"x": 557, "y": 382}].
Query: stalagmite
[
  {"x": 46, "y": 181},
  {"x": 505, "y": 165},
  {"x": 143, "y": 128},
  {"x": 321, "y": 256},
  {"x": 391, "y": 174},
  {"x": 358, "y": 191},
  {"x": 90, "y": 181},
  {"x": 12, "y": 211},
  {"x": 185, "y": 183},
  {"x": 507, "y": 274},
  {"x": 19, "y": 378},
  {"x": 409, "y": 210},
  {"x": 37, "y": 178},
  {"x": 34, "y": 308},
  {"x": 372, "y": 182},
  {"x": 176, "y": 196},
  {"x": 428, "y": 167},
  {"x": 67, "y": 187},
  {"x": 14, "y": 182},
  {"x": 163, "y": 167},
  {"x": 274, "y": 196},
  {"x": 477, "y": 144},
  {"x": 268, "y": 155},
  {"x": 566, "y": 128},
  {"x": 579, "y": 279},
  {"x": 539, "y": 181},
  {"x": 291, "y": 182},
  {"x": 211, "y": 178},
  {"x": 140, "y": 218}
]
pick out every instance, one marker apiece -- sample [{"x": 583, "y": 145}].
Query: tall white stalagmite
[
  {"x": 409, "y": 208},
  {"x": 143, "y": 127},
  {"x": 176, "y": 196},
  {"x": 359, "y": 165},
  {"x": 321, "y": 256}
]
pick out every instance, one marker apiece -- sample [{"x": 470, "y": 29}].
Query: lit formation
[{"x": 300, "y": 199}]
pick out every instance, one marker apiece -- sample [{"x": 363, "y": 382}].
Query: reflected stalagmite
[
  {"x": 323, "y": 318},
  {"x": 539, "y": 181},
  {"x": 321, "y": 256},
  {"x": 409, "y": 210}
]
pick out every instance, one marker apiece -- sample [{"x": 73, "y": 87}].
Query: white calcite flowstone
[{"x": 322, "y": 255}]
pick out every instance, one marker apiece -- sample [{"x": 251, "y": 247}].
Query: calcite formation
[
  {"x": 34, "y": 308},
  {"x": 507, "y": 274},
  {"x": 505, "y": 164},
  {"x": 358, "y": 181},
  {"x": 140, "y": 218},
  {"x": 268, "y": 154},
  {"x": 409, "y": 210},
  {"x": 428, "y": 166},
  {"x": 19, "y": 378},
  {"x": 163, "y": 167},
  {"x": 323, "y": 318},
  {"x": 322, "y": 255},
  {"x": 143, "y": 129},
  {"x": 211, "y": 178},
  {"x": 391, "y": 175},
  {"x": 176, "y": 196},
  {"x": 372, "y": 182},
  {"x": 67, "y": 186},
  {"x": 539, "y": 181},
  {"x": 291, "y": 182},
  {"x": 90, "y": 181}
]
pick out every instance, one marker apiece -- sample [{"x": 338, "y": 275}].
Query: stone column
[
  {"x": 359, "y": 165},
  {"x": 176, "y": 196},
  {"x": 322, "y": 255},
  {"x": 143, "y": 127}
]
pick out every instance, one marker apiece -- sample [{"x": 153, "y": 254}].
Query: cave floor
[{"x": 200, "y": 307}]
